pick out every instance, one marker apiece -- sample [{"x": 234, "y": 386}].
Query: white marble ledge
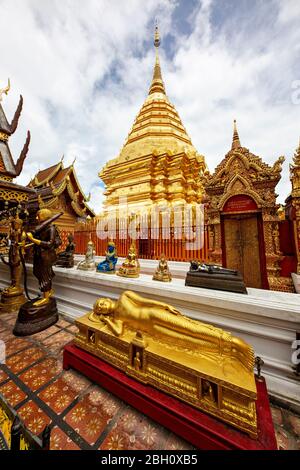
[{"x": 262, "y": 302}]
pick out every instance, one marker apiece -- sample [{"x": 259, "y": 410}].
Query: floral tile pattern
[
  {"x": 15, "y": 345},
  {"x": 89, "y": 417},
  {"x": 33, "y": 417},
  {"x": 62, "y": 323},
  {"x": 83, "y": 414},
  {"x": 76, "y": 381},
  {"x": 133, "y": 431},
  {"x": 41, "y": 374},
  {"x": 60, "y": 441},
  {"x": 3, "y": 376},
  {"x": 73, "y": 329},
  {"x": 58, "y": 396},
  {"x": 55, "y": 343},
  {"x": 13, "y": 394},
  {"x": 6, "y": 335},
  {"x": 44, "y": 334},
  {"x": 24, "y": 359}
]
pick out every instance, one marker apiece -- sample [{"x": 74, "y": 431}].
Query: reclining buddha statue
[
  {"x": 160, "y": 319},
  {"x": 156, "y": 344}
]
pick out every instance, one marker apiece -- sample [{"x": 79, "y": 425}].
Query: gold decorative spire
[
  {"x": 157, "y": 85},
  {"x": 236, "y": 140},
  {"x": 296, "y": 160},
  {"x": 5, "y": 90}
]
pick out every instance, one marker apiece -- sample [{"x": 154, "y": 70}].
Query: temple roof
[
  {"x": 4, "y": 125},
  {"x": 54, "y": 181},
  {"x": 7, "y": 166},
  {"x": 157, "y": 127},
  {"x": 240, "y": 161},
  {"x": 43, "y": 176}
]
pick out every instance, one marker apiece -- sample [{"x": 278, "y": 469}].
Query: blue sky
[{"x": 84, "y": 72}]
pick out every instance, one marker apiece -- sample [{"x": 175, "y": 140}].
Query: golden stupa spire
[
  {"x": 296, "y": 160},
  {"x": 236, "y": 140},
  {"x": 5, "y": 90},
  {"x": 157, "y": 85}
]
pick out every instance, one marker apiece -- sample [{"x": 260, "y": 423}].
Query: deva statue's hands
[{"x": 32, "y": 239}]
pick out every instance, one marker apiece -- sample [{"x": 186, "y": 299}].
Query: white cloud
[{"x": 84, "y": 71}]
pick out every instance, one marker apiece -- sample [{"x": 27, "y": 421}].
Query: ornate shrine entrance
[
  {"x": 242, "y": 239},
  {"x": 241, "y": 250}
]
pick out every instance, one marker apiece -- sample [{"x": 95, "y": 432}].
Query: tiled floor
[{"x": 83, "y": 415}]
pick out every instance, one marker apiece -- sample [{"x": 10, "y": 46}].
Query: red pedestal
[{"x": 202, "y": 430}]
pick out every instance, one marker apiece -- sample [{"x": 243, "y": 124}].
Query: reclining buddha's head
[{"x": 104, "y": 306}]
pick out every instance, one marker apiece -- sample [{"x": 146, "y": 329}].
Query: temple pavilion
[
  {"x": 10, "y": 192},
  {"x": 57, "y": 188}
]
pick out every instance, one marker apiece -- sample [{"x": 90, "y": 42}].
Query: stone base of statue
[
  {"x": 203, "y": 431},
  {"x": 65, "y": 262},
  {"x": 86, "y": 267},
  {"x": 33, "y": 319},
  {"x": 11, "y": 300},
  {"x": 231, "y": 281}
]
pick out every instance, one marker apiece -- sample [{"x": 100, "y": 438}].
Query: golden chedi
[
  {"x": 131, "y": 265},
  {"x": 153, "y": 342},
  {"x": 158, "y": 163},
  {"x": 162, "y": 272}
]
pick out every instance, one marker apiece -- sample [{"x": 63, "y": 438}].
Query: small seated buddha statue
[
  {"x": 65, "y": 259},
  {"x": 109, "y": 264},
  {"x": 131, "y": 265},
  {"x": 88, "y": 264},
  {"x": 162, "y": 272}
]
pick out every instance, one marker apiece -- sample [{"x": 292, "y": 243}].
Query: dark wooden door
[{"x": 242, "y": 247}]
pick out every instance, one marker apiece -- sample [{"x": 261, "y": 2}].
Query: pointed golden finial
[
  {"x": 236, "y": 140},
  {"x": 5, "y": 90},
  {"x": 74, "y": 161},
  {"x": 156, "y": 35},
  {"x": 296, "y": 159},
  {"x": 157, "y": 85}
]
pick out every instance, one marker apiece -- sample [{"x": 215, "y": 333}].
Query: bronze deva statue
[
  {"x": 163, "y": 321},
  {"x": 45, "y": 244},
  {"x": 14, "y": 260},
  {"x": 162, "y": 272},
  {"x": 65, "y": 259},
  {"x": 13, "y": 296},
  {"x": 38, "y": 314}
]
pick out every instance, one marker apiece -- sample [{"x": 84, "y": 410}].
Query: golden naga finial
[
  {"x": 4, "y": 90},
  {"x": 156, "y": 35}
]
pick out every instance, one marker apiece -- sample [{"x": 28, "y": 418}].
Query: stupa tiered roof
[{"x": 157, "y": 148}]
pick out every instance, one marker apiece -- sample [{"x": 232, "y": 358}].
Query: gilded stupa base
[{"x": 203, "y": 431}]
